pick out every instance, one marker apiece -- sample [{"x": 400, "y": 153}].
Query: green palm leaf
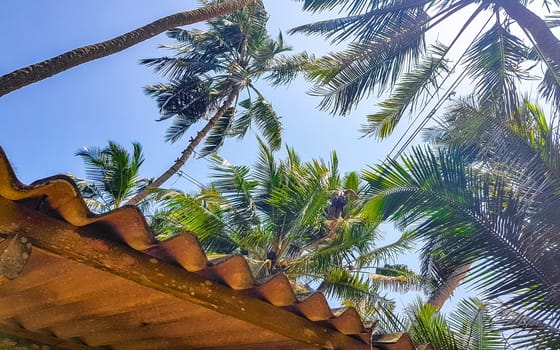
[
  {"x": 494, "y": 62},
  {"x": 284, "y": 70},
  {"x": 386, "y": 253},
  {"x": 265, "y": 118},
  {"x": 399, "y": 278},
  {"x": 474, "y": 327},
  {"x": 365, "y": 26},
  {"x": 113, "y": 173},
  {"x": 468, "y": 327},
  {"x": 201, "y": 214},
  {"x": 474, "y": 217},
  {"x": 321, "y": 5},
  {"x": 218, "y": 134},
  {"x": 429, "y": 326},
  {"x": 550, "y": 86},
  {"x": 366, "y": 67},
  {"x": 342, "y": 283},
  {"x": 407, "y": 94},
  {"x": 235, "y": 184}
]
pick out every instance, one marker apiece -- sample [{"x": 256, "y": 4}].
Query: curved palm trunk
[
  {"x": 187, "y": 152},
  {"x": 39, "y": 71},
  {"x": 443, "y": 293},
  {"x": 547, "y": 43}
]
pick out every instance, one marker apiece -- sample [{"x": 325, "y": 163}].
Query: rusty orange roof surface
[{"x": 102, "y": 282}]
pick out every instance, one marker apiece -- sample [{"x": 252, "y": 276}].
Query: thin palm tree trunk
[
  {"x": 42, "y": 70},
  {"x": 187, "y": 152},
  {"x": 442, "y": 294},
  {"x": 547, "y": 43}
]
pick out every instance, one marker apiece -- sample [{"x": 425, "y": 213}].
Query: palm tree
[
  {"x": 389, "y": 56},
  {"x": 275, "y": 215},
  {"x": 111, "y": 175},
  {"x": 490, "y": 201},
  {"x": 42, "y": 70},
  {"x": 207, "y": 77}
]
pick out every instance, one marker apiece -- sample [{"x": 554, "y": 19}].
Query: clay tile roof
[{"x": 101, "y": 281}]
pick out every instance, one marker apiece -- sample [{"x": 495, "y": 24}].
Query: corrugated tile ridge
[{"x": 58, "y": 196}]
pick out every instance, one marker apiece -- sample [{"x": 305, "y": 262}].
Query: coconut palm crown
[
  {"x": 488, "y": 200},
  {"x": 212, "y": 78},
  {"x": 275, "y": 214},
  {"x": 112, "y": 175},
  {"x": 395, "y": 53}
]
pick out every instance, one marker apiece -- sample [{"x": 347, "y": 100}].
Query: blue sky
[{"x": 44, "y": 124}]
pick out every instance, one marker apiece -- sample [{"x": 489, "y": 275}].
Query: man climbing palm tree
[
  {"x": 339, "y": 199},
  {"x": 274, "y": 215}
]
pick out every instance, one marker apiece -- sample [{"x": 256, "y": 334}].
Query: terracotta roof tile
[{"x": 90, "y": 307}]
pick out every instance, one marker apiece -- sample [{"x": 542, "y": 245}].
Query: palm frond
[
  {"x": 113, "y": 172},
  {"x": 469, "y": 327},
  {"x": 474, "y": 327},
  {"x": 345, "y": 78},
  {"x": 324, "y": 254},
  {"x": 464, "y": 123},
  {"x": 329, "y": 28},
  {"x": 353, "y": 288},
  {"x": 475, "y": 217},
  {"x": 549, "y": 87},
  {"x": 242, "y": 121},
  {"x": 284, "y": 70},
  {"x": 398, "y": 278},
  {"x": 267, "y": 121},
  {"x": 189, "y": 100},
  {"x": 408, "y": 92},
  {"x": 266, "y": 170},
  {"x": 364, "y": 26},
  {"x": 351, "y": 181},
  {"x": 218, "y": 134},
  {"x": 522, "y": 146},
  {"x": 179, "y": 68},
  {"x": 429, "y": 326},
  {"x": 386, "y": 253},
  {"x": 236, "y": 185},
  {"x": 268, "y": 52},
  {"x": 494, "y": 62},
  {"x": 321, "y": 5},
  {"x": 198, "y": 214},
  {"x": 524, "y": 331},
  {"x": 179, "y": 127}
]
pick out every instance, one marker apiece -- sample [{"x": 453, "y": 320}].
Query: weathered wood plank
[{"x": 21, "y": 339}]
